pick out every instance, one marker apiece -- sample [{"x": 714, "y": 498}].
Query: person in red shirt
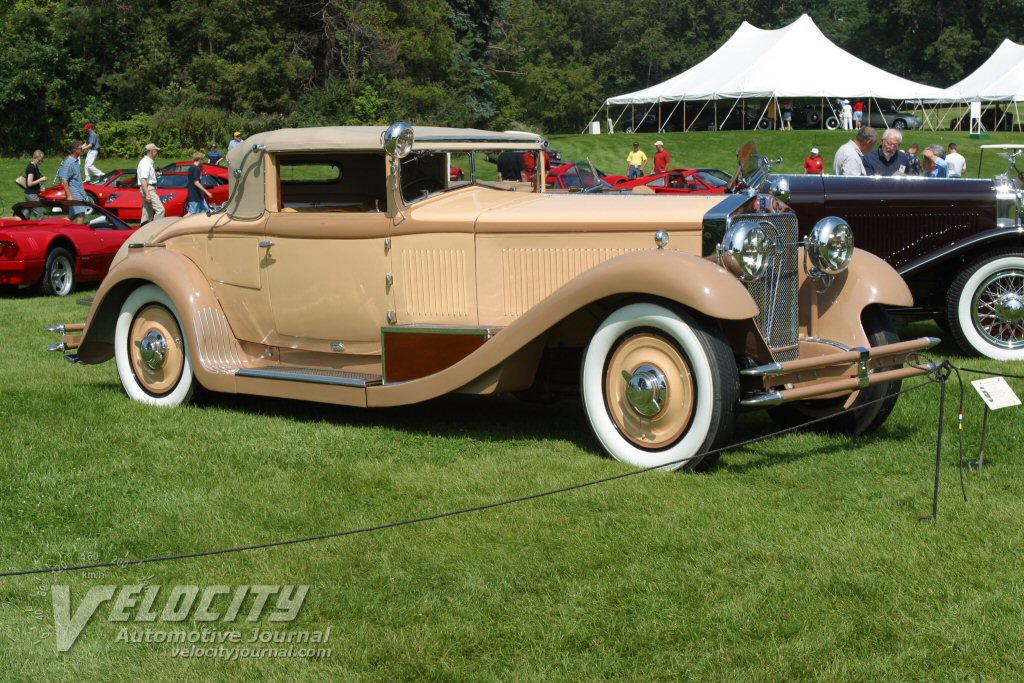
[
  {"x": 814, "y": 163},
  {"x": 858, "y": 113},
  {"x": 661, "y": 157}
]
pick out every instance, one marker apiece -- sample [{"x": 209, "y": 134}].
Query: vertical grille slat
[{"x": 776, "y": 293}]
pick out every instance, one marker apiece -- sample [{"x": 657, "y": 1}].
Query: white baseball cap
[
  {"x": 814, "y": 150},
  {"x": 659, "y": 143}
]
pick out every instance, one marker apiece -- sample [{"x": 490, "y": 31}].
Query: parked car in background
[
  {"x": 575, "y": 176},
  {"x": 172, "y": 188},
  {"x": 347, "y": 268},
  {"x": 958, "y": 242},
  {"x": 889, "y": 117},
  {"x": 648, "y": 123},
  {"x": 54, "y": 254},
  {"x": 676, "y": 181},
  {"x": 99, "y": 189}
]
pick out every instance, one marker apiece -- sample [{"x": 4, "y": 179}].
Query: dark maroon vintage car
[{"x": 957, "y": 242}]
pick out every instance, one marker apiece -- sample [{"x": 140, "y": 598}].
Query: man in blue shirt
[
  {"x": 70, "y": 175},
  {"x": 92, "y": 147},
  {"x": 197, "y": 194},
  {"x": 934, "y": 164},
  {"x": 887, "y": 159}
]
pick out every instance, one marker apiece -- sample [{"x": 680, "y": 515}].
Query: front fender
[
  {"x": 671, "y": 275},
  {"x": 835, "y": 313},
  {"x": 176, "y": 275}
]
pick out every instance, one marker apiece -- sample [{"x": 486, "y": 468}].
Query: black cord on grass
[
  {"x": 441, "y": 515},
  {"x": 989, "y": 373}
]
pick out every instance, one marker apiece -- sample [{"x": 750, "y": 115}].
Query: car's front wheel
[
  {"x": 832, "y": 123},
  {"x": 58, "y": 273},
  {"x": 151, "y": 353},
  {"x": 985, "y": 306},
  {"x": 659, "y": 387},
  {"x": 899, "y": 123}
]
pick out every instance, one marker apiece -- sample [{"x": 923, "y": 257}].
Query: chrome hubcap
[
  {"x": 646, "y": 390},
  {"x": 999, "y": 309},
  {"x": 60, "y": 276},
  {"x": 153, "y": 350}
]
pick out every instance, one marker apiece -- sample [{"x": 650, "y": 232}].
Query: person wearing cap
[
  {"x": 661, "y": 157},
  {"x": 92, "y": 147},
  {"x": 214, "y": 155},
  {"x": 636, "y": 162},
  {"x": 152, "y": 207},
  {"x": 236, "y": 140},
  {"x": 814, "y": 164},
  {"x": 197, "y": 194},
  {"x": 70, "y": 175},
  {"x": 850, "y": 157}
]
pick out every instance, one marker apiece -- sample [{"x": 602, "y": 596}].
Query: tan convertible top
[{"x": 369, "y": 138}]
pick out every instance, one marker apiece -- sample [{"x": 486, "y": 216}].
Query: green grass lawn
[{"x": 798, "y": 558}]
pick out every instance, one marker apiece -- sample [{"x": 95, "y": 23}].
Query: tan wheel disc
[
  {"x": 652, "y": 356},
  {"x": 159, "y": 372}
]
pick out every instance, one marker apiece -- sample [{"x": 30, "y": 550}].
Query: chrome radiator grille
[{"x": 776, "y": 292}]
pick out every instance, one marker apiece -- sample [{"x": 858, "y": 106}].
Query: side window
[
  {"x": 335, "y": 183},
  {"x": 424, "y": 174}
]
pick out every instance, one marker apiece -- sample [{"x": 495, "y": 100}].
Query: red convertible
[
  {"x": 677, "y": 181},
  {"x": 53, "y": 253},
  {"x": 99, "y": 189},
  {"x": 172, "y": 187}
]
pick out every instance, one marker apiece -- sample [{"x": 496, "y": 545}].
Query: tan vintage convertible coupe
[{"x": 348, "y": 267}]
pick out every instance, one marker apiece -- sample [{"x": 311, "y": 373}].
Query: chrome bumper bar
[{"x": 834, "y": 373}]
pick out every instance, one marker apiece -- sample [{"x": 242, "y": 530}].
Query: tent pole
[{"x": 715, "y": 109}]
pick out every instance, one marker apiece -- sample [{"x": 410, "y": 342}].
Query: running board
[{"x": 359, "y": 380}]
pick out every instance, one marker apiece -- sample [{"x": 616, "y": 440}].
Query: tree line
[{"x": 188, "y": 72}]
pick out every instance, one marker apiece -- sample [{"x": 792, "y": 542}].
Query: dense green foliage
[{"x": 187, "y": 72}]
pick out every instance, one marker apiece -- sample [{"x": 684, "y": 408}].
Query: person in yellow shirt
[{"x": 636, "y": 162}]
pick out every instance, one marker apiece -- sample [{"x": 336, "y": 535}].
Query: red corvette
[
  {"x": 99, "y": 189},
  {"x": 677, "y": 181},
  {"x": 53, "y": 254},
  {"x": 172, "y": 187}
]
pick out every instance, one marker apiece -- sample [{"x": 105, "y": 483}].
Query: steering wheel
[{"x": 421, "y": 186}]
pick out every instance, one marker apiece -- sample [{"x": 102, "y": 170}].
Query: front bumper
[{"x": 833, "y": 374}]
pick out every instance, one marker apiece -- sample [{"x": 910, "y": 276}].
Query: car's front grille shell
[{"x": 776, "y": 292}]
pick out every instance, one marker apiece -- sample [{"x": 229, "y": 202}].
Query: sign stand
[{"x": 996, "y": 394}]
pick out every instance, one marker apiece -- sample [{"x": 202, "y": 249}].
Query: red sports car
[
  {"x": 172, "y": 187},
  {"x": 575, "y": 177},
  {"x": 99, "y": 189},
  {"x": 53, "y": 254},
  {"x": 677, "y": 181}
]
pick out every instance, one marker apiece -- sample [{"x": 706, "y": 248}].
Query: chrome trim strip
[
  {"x": 310, "y": 376},
  {"x": 426, "y": 328},
  {"x": 763, "y": 400},
  {"x": 828, "y": 342},
  {"x": 144, "y": 245}
]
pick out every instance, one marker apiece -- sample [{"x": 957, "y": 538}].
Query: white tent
[
  {"x": 999, "y": 79},
  {"x": 794, "y": 61}
]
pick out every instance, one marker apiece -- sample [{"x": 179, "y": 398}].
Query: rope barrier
[{"x": 441, "y": 515}]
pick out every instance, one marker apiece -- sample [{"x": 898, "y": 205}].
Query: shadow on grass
[{"x": 506, "y": 418}]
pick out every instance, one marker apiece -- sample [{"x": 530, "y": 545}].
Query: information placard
[{"x": 995, "y": 392}]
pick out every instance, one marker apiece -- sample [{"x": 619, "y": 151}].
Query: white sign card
[{"x": 995, "y": 392}]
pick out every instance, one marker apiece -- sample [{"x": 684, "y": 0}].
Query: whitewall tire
[
  {"x": 659, "y": 387},
  {"x": 985, "y": 306},
  {"x": 151, "y": 351}
]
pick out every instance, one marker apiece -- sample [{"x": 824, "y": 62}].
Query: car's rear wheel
[
  {"x": 985, "y": 306},
  {"x": 849, "y": 417},
  {"x": 629, "y": 129},
  {"x": 659, "y": 387},
  {"x": 813, "y": 118},
  {"x": 151, "y": 352},
  {"x": 58, "y": 273},
  {"x": 91, "y": 198}
]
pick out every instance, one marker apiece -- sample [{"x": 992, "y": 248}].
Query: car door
[{"x": 325, "y": 255}]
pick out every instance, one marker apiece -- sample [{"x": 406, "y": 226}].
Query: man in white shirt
[
  {"x": 847, "y": 114},
  {"x": 955, "y": 162},
  {"x": 152, "y": 207},
  {"x": 850, "y": 157}
]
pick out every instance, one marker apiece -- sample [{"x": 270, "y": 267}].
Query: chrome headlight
[
  {"x": 745, "y": 250},
  {"x": 830, "y": 245},
  {"x": 398, "y": 139}
]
